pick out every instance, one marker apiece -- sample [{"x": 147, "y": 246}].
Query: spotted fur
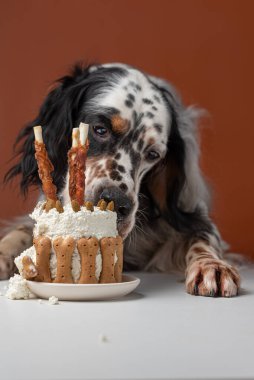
[{"x": 144, "y": 155}]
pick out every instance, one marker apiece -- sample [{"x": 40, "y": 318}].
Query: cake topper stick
[
  {"x": 77, "y": 164},
  {"x": 45, "y": 166},
  {"x": 73, "y": 164},
  {"x": 81, "y": 163},
  {"x": 83, "y": 132}
]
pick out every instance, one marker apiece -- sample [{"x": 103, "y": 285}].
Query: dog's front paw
[
  {"x": 212, "y": 277},
  {"x": 8, "y": 251},
  {"x": 7, "y": 266}
]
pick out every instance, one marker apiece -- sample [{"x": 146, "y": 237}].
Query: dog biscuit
[
  {"x": 75, "y": 205},
  {"x": 89, "y": 206},
  {"x": 49, "y": 205},
  {"x": 111, "y": 206},
  {"x": 119, "y": 263},
  {"x": 103, "y": 205},
  {"x": 43, "y": 250},
  {"x": 59, "y": 206},
  {"x": 108, "y": 255},
  {"x": 64, "y": 248},
  {"x": 29, "y": 269},
  {"x": 87, "y": 249}
]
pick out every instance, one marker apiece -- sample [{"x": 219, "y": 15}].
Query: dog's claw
[
  {"x": 212, "y": 278},
  {"x": 196, "y": 292}
]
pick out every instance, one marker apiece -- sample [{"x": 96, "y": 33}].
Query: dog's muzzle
[{"x": 123, "y": 204}]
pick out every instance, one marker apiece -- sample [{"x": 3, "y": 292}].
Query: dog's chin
[{"x": 124, "y": 228}]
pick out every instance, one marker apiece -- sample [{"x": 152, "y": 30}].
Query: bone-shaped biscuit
[
  {"x": 29, "y": 270},
  {"x": 111, "y": 206},
  {"x": 43, "y": 250},
  {"x": 75, "y": 205},
  {"x": 99, "y": 202},
  {"x": 119, "y": 263},
  {"x": 89, "y": 206},
  {"x": 103, "y": 205},
  {"x": 59, "y": 206},
  {"x": 64, "y": 248},
  {"x": 87, "y": 249},
  {"x": 108, "y": 255},
  {"x": 50, "y": 203}
]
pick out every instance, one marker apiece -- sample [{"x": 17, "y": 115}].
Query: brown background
[{"x": 205, "y": 48}]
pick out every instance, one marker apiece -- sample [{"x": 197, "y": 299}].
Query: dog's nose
[{"x": 123, "y": 204}]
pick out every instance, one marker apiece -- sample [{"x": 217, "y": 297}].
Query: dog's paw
[
  {"x": 6, "y": 266},
  {"x": 211, "y": 277},
  {"x": 7, "y": 254}
]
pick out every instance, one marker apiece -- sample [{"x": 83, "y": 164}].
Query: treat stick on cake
[
  {"x": 45, "y": 168},
  {"x": 72, "y": 163},
  {"x": 81, "y": 163},
  {"x": 78, "y": 242},
  {"x": 77, "y": 165}
]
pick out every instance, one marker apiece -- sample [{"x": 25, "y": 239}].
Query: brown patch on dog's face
[{"x": 119, "y": 125}]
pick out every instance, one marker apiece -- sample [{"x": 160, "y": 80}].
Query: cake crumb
[
  {"x": 40, "y": 301},
  {"x": 103, "y": 338},
  {"x": 53, "y": 300},
  {"x": 18, "y": 288}
]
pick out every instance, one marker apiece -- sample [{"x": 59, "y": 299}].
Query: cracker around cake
[{"x": 95, "y": 255}]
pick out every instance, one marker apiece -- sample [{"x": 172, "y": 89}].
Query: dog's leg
[
  {"x": 207, "y": 274},
  {"x": 12, "y": 244}
]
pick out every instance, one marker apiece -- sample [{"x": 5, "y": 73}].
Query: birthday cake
[{"x": 77, "y": 242}]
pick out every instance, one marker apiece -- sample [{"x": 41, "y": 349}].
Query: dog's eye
[
  {"x": 152, "y": 155},
  {"x": 100, "y": 131}
]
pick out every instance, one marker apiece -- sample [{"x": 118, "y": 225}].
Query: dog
[{"x": 143, "y": 155}]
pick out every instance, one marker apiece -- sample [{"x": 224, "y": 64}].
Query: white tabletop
[{"x": 158, "y": 332}]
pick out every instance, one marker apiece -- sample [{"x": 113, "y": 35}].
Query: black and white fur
[{"x": 150, "y": 168}]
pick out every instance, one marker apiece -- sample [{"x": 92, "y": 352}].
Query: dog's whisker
[
  {"x": 142, "y": 213},
  {"x": 139, "y": 228}
]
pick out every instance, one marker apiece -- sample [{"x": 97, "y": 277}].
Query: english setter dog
[{"x": 144, "y": 155}]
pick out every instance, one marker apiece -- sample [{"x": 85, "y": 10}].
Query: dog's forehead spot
[
  {"x": 128, "y": 103},
  {"x": 131, "y": 97},
  {"x": 147, "y": 101},
  {"x": 119, "y": 125},
  {"x": 136, "y": 100},
  {"x": 150, "y": 115}
]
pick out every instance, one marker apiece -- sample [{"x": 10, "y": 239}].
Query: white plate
[{"x": 84, "y": 292}]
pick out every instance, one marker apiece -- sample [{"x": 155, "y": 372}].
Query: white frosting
[
  {"x": 18, "y": 288},
  {"x": 83, "y": 223}
]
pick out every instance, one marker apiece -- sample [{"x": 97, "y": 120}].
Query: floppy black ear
[
  {"x": 59, "y": 113},
  {"x": 176, "y": 185}
]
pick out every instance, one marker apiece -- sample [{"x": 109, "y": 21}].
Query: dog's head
[{"x": 141, "y": 140}]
